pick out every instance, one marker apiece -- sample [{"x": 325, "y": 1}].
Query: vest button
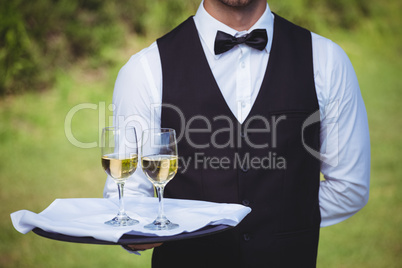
[
  {"x": 244, "y": 169},
  {"x": 246, "y": 237},
  {"x": 245, "y": 202},
  {"x": 242, "y": 134}
]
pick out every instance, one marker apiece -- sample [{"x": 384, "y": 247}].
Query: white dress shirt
[{"x": 344, "y": 135}]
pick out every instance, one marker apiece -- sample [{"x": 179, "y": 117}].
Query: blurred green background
[{"x": 55, "y": 55}]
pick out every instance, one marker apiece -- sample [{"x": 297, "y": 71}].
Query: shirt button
[
  {"x": 245, "y": 202},
  {"x": 242, "y": 64},
  {"x": 246, "y": 237},
  {"x": 243, "y": 104}
]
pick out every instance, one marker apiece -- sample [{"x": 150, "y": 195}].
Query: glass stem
[
  {"x": 161, "y": 212},
  {"x": 121, "y": 200}
]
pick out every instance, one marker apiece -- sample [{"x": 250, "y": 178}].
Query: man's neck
[{"x": 238, "y": 18}]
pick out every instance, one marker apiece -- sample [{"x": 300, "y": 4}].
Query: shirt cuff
[{"x": 131, "y": 251}]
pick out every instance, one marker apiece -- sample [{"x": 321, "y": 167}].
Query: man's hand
[{"x": 143, "y": 246}]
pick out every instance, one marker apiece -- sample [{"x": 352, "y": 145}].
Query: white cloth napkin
[{"x": 86, "y": 216}]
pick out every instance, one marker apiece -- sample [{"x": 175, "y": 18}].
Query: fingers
[{"x": 144, "y": 246}]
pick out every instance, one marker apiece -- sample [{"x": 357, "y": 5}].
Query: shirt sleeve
[
  {"x": 135, "y": 103},
  {"x": 345, "y": 141}
]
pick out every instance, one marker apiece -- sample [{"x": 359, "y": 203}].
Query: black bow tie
[{"x": 256, "y": 39}]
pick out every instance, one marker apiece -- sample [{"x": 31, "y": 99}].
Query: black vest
[{"x": 261, "y": 163}]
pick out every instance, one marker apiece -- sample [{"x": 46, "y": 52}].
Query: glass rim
[
  {"x": 115, "y": 128},
  {"x": 162, "y": 129}
]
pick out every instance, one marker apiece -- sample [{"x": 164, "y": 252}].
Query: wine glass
[
  {"x": 159, "y": 161},
  {"x": 119, "y": 160}
]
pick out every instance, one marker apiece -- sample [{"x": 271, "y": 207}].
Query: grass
[
  {"x": 38, "y": 164},
  {"x": 373, "y": 237}
]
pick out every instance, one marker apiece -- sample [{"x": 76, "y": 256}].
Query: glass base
[
  {"x": 161, "y": 224},
  {"x": 121, "y": 221}
]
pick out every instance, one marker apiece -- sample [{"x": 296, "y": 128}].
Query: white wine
[
  {"x": 160, "y": 168},
  {"x": 119, "y": 167}
]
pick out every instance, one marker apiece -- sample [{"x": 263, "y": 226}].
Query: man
[{"x": 279, "y": 104}]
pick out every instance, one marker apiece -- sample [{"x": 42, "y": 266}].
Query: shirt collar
[{"x": 208, "y": 26}]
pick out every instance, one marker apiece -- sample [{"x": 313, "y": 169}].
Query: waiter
[{"x": 274, "y": 105}]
